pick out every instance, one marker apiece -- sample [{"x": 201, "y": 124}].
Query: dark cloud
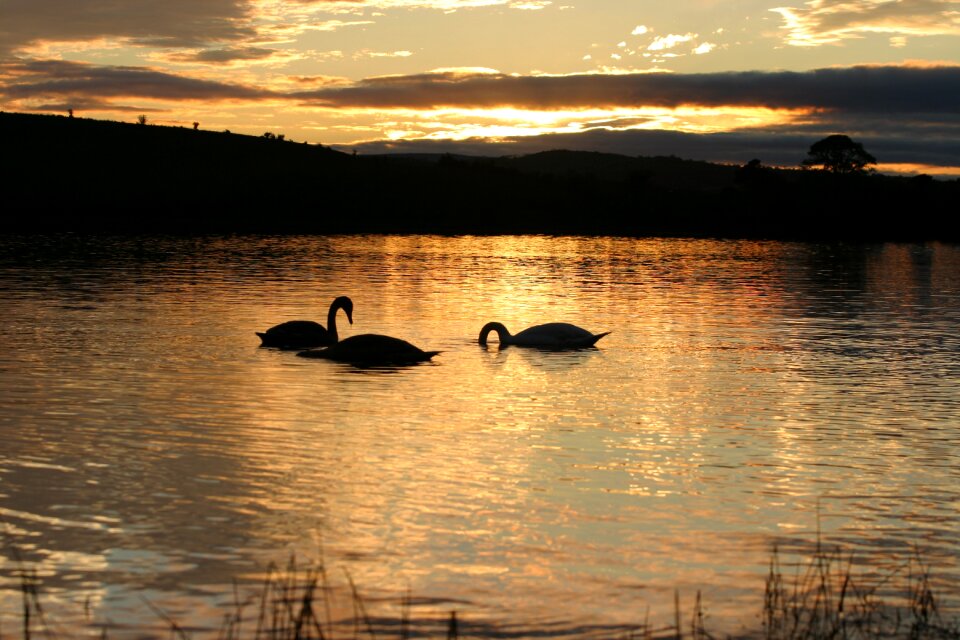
[
  {"x": 88, "y": 104},
  {"x": 772, "y": 146},
  {"x": 903, "y": 15},
  {"x": 930, "y": 126},
  {"x": 189, "y": 23},
  {"x": 901, "y": 114},
  {"x": 226, "y": 55},
  {"x": 829, "y": 21},
  {"x": 888, "y": 89},
  {"x": 60, "y": 81}
]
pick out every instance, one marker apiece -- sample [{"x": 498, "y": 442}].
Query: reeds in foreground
[{"x": 823, "y": 599}]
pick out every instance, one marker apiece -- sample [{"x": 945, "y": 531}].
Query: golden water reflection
[{"x": 745, "y": 388}]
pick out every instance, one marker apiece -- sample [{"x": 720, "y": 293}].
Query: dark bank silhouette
[
  {"x": 372, "y": 350},
  {"x": 553, "y": 335},
  {"x": 306, "y": 334},
  {"x": 77, "y": 174}
]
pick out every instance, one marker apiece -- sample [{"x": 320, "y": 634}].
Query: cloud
[
  {"x": 670, "y": 41},
  {"x": 189, "y": 23},
  {"x": 367, "y": 53},
  {"x": 772, "y": 146},
  {"x": 193, "y": 24},
  {"x": 865, "y": 89},
  {"x": 225, "y": 55},
  {"x": 316, "y": 81},
  {"x": 32, "y": 84},
  {"x": 88, "y": 105},
  {"x": 530, "y": 5},
  {"x": 443, "y": 5},
  {"x": 910, "y": 114},
  {"x": 821, "y": 22},
  {"x": 703, "y": 48},
  {"x": 639, "y": 30},
  {"x": 335, "y": 25}
]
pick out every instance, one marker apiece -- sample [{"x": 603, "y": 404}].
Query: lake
[{"x": 750, "y": 395}]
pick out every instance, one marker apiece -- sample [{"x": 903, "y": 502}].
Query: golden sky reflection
[{"x": 744, "y": 384}]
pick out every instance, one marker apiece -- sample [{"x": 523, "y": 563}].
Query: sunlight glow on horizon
[{"x": 461, "y": 124}]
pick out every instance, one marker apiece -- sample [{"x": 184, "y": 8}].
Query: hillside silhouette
[{"x": 75, "y": 174}]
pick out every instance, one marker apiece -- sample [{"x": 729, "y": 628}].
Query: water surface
[{"x": 749, "y": 394}]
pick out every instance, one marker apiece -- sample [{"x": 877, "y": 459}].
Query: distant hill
[
  {"x": 667, "y": 172},
  {"x": 77, "y": 174},
  {"x": 662, "y": 171}
]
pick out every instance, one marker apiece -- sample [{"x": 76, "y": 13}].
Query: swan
[
  {"x": 553, "y": 335},
  {"x": 303, "y": 334},
  {"x": 371, "y": 349}
]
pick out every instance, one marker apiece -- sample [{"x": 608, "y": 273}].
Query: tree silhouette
[
  {"x": 142, "y": 119},
  {"x": 750, "y": 171},
  {"x": 838, "y": 154}
]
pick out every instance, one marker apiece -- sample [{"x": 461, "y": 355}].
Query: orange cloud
[
  {"x": 822, "y": 22},
  {"x": 188, "y": 23}
]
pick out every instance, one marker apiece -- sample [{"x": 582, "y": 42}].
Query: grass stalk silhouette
[
  {"x": 825, "y": 600},
  {"x": 820, "y": 598}
]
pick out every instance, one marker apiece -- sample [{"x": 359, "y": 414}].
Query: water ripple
[{"x": 750, "y": 393}]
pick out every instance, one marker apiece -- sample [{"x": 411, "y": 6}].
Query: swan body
[
  {"x": 305, "y": 334},
  {"x": 553, "y": 335},
  {"x": 370, "y": 350}
]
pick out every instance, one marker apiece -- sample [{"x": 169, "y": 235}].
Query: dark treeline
[{"x": 75, "y": 174}]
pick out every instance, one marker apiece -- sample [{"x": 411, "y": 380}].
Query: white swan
[
  {"x": 371, "y": 350},
  {"x": 553, "y": 335},
  {"x": 304, "y": 334}
]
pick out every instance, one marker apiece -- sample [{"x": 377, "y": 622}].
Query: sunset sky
[{"x": 705, "y": 79}]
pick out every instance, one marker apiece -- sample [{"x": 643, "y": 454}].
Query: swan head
[
  {"x": 345, "y": 303},
  {"x": 500, "y": 330}
]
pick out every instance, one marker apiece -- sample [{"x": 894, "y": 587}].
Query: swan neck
[
  {"x": 332, "y": 320},
  {"x": 344, "y": 303},
  {"x": 499, "y": 329}
]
